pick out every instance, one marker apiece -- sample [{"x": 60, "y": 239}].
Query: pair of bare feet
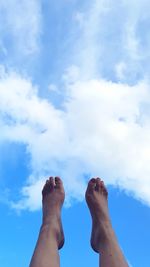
[{"x": 96, "y": 197}]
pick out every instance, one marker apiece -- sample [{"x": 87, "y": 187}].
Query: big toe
[
  {"x": 91, "y": 186},
  {"x": 49, "y": 185},
  {"x": 58, "y": 182}
]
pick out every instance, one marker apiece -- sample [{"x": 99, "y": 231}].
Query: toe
[
  {"x": 98, "y": 184},
  {"x": 91, "y": 185},
  {"x": 51, "y": 182},
  {"x": 104, "y": 189},
  {"x": 58, "y": 182},
  {"x": 47, "y": 183},
  {"x": 46, "y": 187}
]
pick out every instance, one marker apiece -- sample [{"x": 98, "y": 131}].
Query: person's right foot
[{"x": 96, "y": 198}]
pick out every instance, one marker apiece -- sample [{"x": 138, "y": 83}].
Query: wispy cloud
[
  {"x": 114, "y": 34},
  {"x": 20, "y": 25}
]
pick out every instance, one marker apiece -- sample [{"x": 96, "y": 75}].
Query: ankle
[
  {"x": 51, "y": 222},
  {"x": 109, "y": 238},
  {"x": 106, "y": 230},
  {"x": 51, "y": 217},
  {"x": 104, "y": 222},
  {"x": 50, "y": 231},
  {"x": 47, "y": 227}
]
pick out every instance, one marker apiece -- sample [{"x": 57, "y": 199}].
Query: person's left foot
[{"x": 53, "y": 196}]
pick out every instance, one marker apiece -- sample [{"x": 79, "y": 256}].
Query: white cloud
[
  {"x": 102, "y": 131},
  {"x": 22, "y": 20}
]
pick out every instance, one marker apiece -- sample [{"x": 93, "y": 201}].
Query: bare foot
[
  {"x": 96, "y": 198},
  {"x": 53, "y": 196}
]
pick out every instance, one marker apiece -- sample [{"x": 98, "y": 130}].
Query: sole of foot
[
  {"x": 97, "y": 200},
  {"x": 53, "y": 196}
]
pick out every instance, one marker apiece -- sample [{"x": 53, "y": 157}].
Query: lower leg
[
  {"x": 46, "y": 251},
  {"x": 110, "y": 253},
  {"x": 103, "y": 239},
  {"x": 51, "y": 236}
]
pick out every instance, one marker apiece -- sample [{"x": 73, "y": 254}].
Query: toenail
[
  {"x": 93, "y": 180},
  {"x": 57, "y": 178}
]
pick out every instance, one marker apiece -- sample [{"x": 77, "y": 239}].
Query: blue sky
[{"x": 74, "y": 102}]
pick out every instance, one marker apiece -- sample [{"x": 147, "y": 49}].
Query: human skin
[
  {"x": 51, "y": 235},
  {"x": 103, "y": 238}
]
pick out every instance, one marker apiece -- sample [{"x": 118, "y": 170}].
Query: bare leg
[
  {"x": 103, "y": 239},
  {"x": 51, "y": 236}
]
